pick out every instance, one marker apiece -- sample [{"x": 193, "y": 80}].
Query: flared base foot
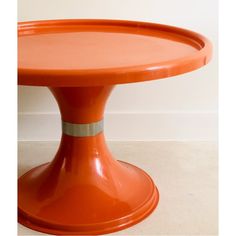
[{"x": 72, "y": 206}]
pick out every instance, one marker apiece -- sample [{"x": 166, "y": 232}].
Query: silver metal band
[{"x": 82, "y": 130}]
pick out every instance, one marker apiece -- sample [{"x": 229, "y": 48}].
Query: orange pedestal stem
[{"x": 84, "y": 190}]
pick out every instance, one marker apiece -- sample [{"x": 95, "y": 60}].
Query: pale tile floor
[{"x": 186, "y": 174}]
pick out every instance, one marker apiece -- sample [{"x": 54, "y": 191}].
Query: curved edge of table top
[{"x": 118, "y": 75}]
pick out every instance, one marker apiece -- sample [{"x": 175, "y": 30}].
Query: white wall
[{"x": 183, "y": 107}]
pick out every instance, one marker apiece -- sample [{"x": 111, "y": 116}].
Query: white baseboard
[{"x": 128, "y": 126}]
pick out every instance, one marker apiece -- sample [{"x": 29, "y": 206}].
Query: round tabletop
[{"x": 58, "y": 53}]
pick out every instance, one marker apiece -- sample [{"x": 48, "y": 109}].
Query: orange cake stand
[{"x": 84, "y": 190}]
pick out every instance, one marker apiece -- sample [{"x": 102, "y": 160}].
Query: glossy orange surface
[
  {"x": 81, "y": 104},
  {"x": 84, "y": 190},
  {"x": 105, "y": 52}
]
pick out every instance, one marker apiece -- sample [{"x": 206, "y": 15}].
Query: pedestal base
[
  {"x": 86, "y": 210},
  {"x": 84, "y": 190}
]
